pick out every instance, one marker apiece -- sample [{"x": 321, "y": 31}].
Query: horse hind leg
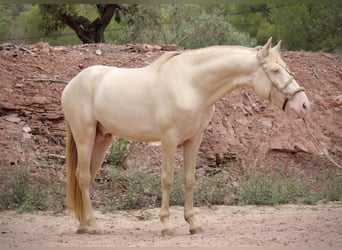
[
  {"x": 85, "y": 140},
  {"x": 83, "y": 177},
  {"x": 102, "y": 142}
]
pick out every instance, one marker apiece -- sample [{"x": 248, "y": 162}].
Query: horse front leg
[
  {"x": 168, "y": 154},
  {"x": 191, "y": 148}
]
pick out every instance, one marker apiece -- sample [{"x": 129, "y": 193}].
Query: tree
[
  {"x": 56, "y": 17},
  {"x": 300, "y": 26},
  {"x": 5, "y": 21},
  {"x": 249, "y": 17},
  {"x": 294, "y": 30},
  {"x": 326, "y": 27}
]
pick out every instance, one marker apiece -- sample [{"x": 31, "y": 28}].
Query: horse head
[{"x": 275, "y": 82}]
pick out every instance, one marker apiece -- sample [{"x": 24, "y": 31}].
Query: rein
[
  {"x": 282, "y": 89},
  {"x": 320, "y": 147}
]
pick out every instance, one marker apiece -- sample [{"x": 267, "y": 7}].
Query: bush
[
  {"x": 271, "y": 190},
  {"x": 212, "y": 190},
  {"x": 21, "y": 195},
  {"x": 188, "y": 26},
  {"x": 131, "y": 191},
  {"x": 119, "y": 151}
]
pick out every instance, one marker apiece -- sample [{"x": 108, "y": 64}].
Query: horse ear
[
  {"x": 266, "y": 48},
  {"x": 277, "y": 47}
]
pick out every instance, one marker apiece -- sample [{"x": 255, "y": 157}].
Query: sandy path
[{"x": 288, "y": 225}]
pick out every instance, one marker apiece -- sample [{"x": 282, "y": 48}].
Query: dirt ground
[
  {"x": 290, "y": 225},
  {"x": 244, "y": 127}
]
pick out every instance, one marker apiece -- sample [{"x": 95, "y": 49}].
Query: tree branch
[{"x": 75, "y": 25}]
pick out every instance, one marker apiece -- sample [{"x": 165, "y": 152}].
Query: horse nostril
[{"x": 304, "y": 106}]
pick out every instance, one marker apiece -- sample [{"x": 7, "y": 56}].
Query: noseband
[{"x": 282, "y": 89}]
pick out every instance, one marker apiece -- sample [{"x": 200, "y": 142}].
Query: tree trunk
[{"x": 92, "y": 32}]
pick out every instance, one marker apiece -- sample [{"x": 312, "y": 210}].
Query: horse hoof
[
  {"x": 95, "y": 232},
  {"x": 167, "y": 232},
  {"x": 82, "y": 230},
  {"x": 196, "y": 230}
]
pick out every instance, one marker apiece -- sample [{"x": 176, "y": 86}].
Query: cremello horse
[{"x": 171, "y": 101}]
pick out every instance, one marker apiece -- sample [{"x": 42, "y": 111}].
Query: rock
[
  {"x": 42, "y": 47},
  {"x": 12, "y": 118},
  {"x": 336, "y": 101},
  {"x": 27, "y": 129},
  {"x": 98, "y": 52},
  {"x": 39, "y": 100}
]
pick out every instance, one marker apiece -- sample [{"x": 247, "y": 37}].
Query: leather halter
[{"x": 282, "y": 89}]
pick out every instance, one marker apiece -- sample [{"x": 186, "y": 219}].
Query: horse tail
[{"x": 74, "y": 194}]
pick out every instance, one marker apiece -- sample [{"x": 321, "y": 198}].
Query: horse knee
[
  {"x": 167, "y": 182},
  {"x": 189, "y": 182}
]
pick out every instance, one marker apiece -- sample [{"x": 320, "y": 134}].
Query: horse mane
[{"x": 156, "y": 65}]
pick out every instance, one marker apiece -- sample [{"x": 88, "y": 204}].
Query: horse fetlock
[
  {"x": 94, "y": 231},
  {"x": 194, "y": 226},
  {"x": 167, "y": 232},
  {"x": 164, "y": 216},
  {"x": 82, "y": 230},
  {"x": 189, "y": 217},
  {"x": 196, "y": 230},
  {"x": 91, "y": 222}
]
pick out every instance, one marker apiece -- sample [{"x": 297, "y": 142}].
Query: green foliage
[
  {"x": 17, "y": 189},
  {"x": 177, "y": 191},
  {"x": 31, "y": 23},
  {"x": 278, "y": 187},
  {"x": 212, "y": 190},
  {"x": 293, "y": 29},
  {"x": 188, "y": 26},
  {"x": 300, "y": 26},
  {"x": 119, "y": 151},
  {"x": 5, "y": 21},
  {"x": 130, "y": 191},
  {"x": 271, "y": 190},
  {"x": 20, "y": 195},
  {"x": 249, "y": 17},
  {"x": 52, "y": 15}
]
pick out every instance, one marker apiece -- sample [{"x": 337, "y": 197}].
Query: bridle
[{"x": 282, "y": 89}]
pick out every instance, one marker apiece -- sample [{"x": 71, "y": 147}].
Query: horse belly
[
  {"x": 126, "y": 109},
  {"x": 131, "y": 129}
]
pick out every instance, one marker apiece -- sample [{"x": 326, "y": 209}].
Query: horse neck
[{"x": 220, "y": 70}]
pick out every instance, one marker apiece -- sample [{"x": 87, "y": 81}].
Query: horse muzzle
[{"x": 299, "y": 105}]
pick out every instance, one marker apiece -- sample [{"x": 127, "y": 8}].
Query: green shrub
[
  {"x": 36, "y": 199},
  {"x": 212, "y": 190},
  {"x": 177, "y": 191},
  {"x": 188, "y": 26},
  {"x": 272, "y": 189},
  {"x": 16, "y": 189},
  {"x": 119, "y": 151},
  {"x": 131, "y": 191},
  {"x": 21, "y": 194}
]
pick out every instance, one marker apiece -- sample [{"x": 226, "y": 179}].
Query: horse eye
[{"x": 275, "y": 70}]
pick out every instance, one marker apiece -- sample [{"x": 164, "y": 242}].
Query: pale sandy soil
[{"x": 290, "y": 225}]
